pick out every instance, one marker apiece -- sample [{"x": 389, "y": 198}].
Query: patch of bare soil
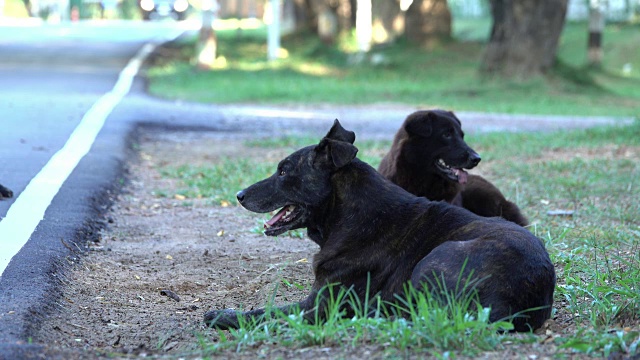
[{"x": 163, "y": 262}]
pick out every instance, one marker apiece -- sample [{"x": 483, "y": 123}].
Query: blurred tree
[
  {"x": 27, "y": 5},
  {"x": 388, "y": 20},
  {"x": 363, "y": 23},
  {"x": 524, "y": 37},
  {"x": 130, "y": 9},
  {"x": 207, "y": 45},
  {"x": 345, "y": 10},
  {"x": 304, "y": 17},
  {"x": 596, "y": 28},
  {"x": 329, "y": 17},
  {"x": 428, "y": 22}
]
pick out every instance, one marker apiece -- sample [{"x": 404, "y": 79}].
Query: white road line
[{"x": 28, "y": 209}]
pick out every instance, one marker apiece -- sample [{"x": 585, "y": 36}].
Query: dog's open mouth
[
  {"x": 283, "y": 220},
  {"x": 453, "y": 173}
]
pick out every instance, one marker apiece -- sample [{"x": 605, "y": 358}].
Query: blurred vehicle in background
[{"x": 159, "y": 9}]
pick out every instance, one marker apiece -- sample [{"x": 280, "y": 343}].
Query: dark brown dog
[
  {"x": 428, "y": 157},
  {"x": 376, "y": 237},
  {"x": 5, "y": 193}
]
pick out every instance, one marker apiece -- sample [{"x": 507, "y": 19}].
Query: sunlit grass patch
[{"x": 311, "y": 72}]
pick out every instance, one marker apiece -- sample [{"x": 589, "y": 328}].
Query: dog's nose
[
  {"x": 240, "y": 195},
  {"x": 474, "y": 158}
]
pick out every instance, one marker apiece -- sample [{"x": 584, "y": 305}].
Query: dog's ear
[
  {"x": 337, "y": 153},
  {"x": 454, "y": 117},
  {"x": 337, "y": 132},
  {"x": 419, "y": 123}
]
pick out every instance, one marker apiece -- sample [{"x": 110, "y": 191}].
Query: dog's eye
[
  {"x": 282, "y": 173},
  {"x": 447, "y": 135}
]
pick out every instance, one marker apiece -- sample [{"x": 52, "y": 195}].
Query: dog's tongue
[
  {"x": 277, "y": 216},
  {"x": 462, "y": 176}
]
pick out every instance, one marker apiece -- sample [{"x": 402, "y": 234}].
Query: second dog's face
[
  {"x": 436, "y": 143},
  {"x": 300, "y": 184}
]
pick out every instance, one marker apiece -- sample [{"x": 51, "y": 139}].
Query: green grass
[
  {"x": 596, "y": 252},
  {"x": 221, "y": 181},
  {"x": 314, "y": 73},
  {"x": 433, "y": 324}
]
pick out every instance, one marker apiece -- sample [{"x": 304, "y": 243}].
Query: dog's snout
[
  {"x": 240, "y": 195},
  {"x": 474, "y": 158}
]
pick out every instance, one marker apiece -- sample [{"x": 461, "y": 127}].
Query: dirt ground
[
  {"x": 119, "y": 300},
  {"x": 208, "y": 256}
]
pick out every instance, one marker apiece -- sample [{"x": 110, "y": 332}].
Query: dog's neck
[
  {"x": 358, "y": 188},
  {"x": 416, "y": 180}
]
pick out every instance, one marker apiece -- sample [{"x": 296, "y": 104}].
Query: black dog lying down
[
  {"x": 373, "y": 233},
  {"x": 428, "y": 157},
  {"x": 5, "y": 193}
]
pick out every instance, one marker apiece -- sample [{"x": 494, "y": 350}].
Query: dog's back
[{"x": 483, "y": 198}]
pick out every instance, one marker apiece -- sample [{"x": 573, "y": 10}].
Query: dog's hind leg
[
  {"x": 234, "y": 319},
  {"x": 445, "y": 271},
  {"x": 513, "y": 278}
]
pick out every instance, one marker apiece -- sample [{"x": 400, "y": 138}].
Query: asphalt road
[{"x": 50, "y": 78}]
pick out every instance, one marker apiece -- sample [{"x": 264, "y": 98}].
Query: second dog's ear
[
  {"x": 419, "y": 123},
  {"x": 337, "y": 132},
  {"x": 338, "y": 153},
  {"x": 454, "y": 117}
]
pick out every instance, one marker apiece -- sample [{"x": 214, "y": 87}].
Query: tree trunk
[
  {"x": 327, "y": 24},
  {"x": 388, "y": 20},
  {"x": 363, "y": 25},
  {"x": 274, "y": 29},
  {"x": 207, "y": 46},
  {"x": 306, "y": 17},
  {"x": 596, "y": 28},
  {"x": 524, "y": 38},
  {"x": 346, "y": 14},
  {"x": 428, "y": 22},
  {"x": 27, "y": 5},
  {"x": 333, "y": 16}
]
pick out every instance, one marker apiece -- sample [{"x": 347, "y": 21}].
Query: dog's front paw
[
  {"x": 222, "y": 319},
  {"x": 5, "y": 193}
]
